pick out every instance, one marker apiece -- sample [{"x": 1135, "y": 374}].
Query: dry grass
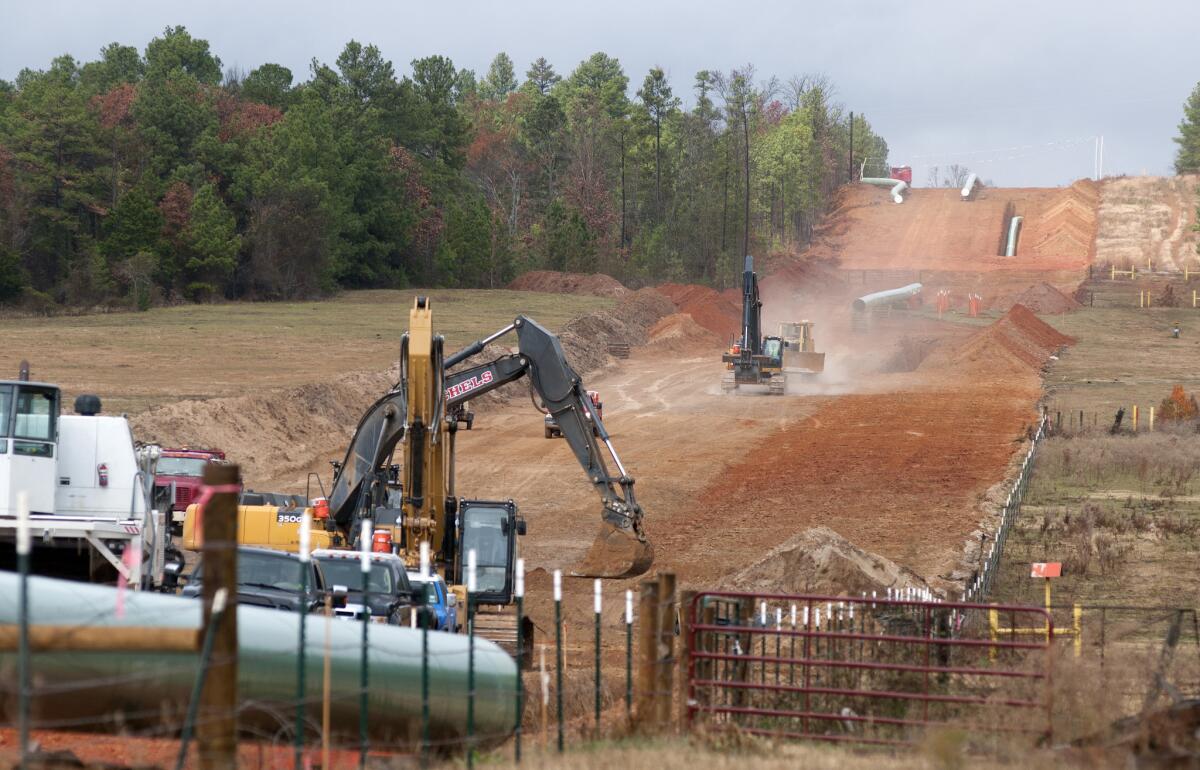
[
  {"x": 1124, "y": 356},
  {"x": 138, "y": 360},
  {"x": 941, "y": 753}
]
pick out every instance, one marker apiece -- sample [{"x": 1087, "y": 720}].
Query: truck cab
[
  {"x": 28, "y": 445},
  {"x": 86, "y": 485},
  {"x": 180, "y": 475}
]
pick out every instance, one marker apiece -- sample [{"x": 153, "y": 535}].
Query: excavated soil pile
[
  {"x": 680, "y": 332},
  {"x": 1019, "y": 339},
  {"x": 553, "y": 282},
  {"x": 709, "y": 308},
  {"x": 274, "y": 434},
  {"x": 271, "y": 433},
  {"x": 585, "y": 339},
  {"x": 820, "y": 561},
  {"x": 1043, "y": 299}
]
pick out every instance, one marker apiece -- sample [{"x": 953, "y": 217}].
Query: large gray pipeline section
[
  {"x": 107, "y": 689},
  {"x": 1014, "y": 232},
  {"x": 886, "y": 297},
  {"x": 897, "y": 186},
  {"x": 969, "y": 186}
]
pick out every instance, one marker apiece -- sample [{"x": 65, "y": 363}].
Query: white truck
[{"x": 88, "y": 487}]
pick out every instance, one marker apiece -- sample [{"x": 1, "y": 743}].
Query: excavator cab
[
  {"x": 773, "y": 349},
  {"x": 491, "y": 529}
]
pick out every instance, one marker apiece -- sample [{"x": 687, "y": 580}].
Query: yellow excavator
[{"x": 415, "y": 500}]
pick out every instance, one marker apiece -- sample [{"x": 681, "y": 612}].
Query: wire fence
[{"x": 991, "y": 553}]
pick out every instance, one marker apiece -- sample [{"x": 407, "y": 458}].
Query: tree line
[{"x": 159, "y": 176}]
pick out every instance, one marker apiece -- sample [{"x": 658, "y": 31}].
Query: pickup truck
[
  {"x": 270, "y": 578},
  {"x": 390, "y": 594}
]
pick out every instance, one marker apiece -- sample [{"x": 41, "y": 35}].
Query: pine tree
[
  {"x": 501, "y": 79},
  {"x": 1187, "y": 159}
]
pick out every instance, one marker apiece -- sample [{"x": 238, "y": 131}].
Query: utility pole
[
  {"x": 851, "y": 168},
  {"x": 216, "y": 734}
]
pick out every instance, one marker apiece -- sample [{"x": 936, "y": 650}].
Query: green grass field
[{"x": 138, "y": 360}]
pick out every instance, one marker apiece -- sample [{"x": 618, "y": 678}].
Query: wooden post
[
  {"x": 647, "y": 711},
  {"x": 665, "y": 671},
  {"x": 1135, "y": 417},
  {"x": 216, "y": 733},
  {"x": 686, "y": 647}
]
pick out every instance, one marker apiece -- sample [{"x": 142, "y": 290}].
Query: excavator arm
[{"x": 622, "y": 549}]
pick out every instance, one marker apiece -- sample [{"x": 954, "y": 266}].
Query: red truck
[{"x": 180, "y": 474}]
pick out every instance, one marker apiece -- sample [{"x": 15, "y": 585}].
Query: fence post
[
  {"x": 665, "y": 673},
  {"x": 598, "y": 600},
  {"x": 687, "y": 647},
  {"x": 24, "y": 546},
  {"x": 647, "y": 710},
  {"x": 216, "y": 734},
  {"x": 628, "y": 655},
  {"x": 364, "y": 545},
  {"x": 519, "y": 595},
  {"x": 558, "y": 654}
]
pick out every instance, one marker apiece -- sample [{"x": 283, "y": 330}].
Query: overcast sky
[{"x": 1015, "y": 90}]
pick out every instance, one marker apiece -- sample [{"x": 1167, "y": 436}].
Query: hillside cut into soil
[
  {"x": 554, "y": 282},
  {"x": 1148, "y": 220}
]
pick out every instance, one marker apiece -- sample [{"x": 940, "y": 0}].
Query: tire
[{"x": 549, "y": 433}]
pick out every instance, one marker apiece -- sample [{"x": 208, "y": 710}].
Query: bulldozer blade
[{"x": 616, "y": 553}]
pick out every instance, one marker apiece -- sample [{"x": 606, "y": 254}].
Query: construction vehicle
[
  {"x": 754, "y": 359},
  {"x": 415, "y": 501},
  {"x": 800, "y": 349},
  {"x": 179, "y": 476},
  {"x": 89, "y": 490},
  {"x": 551, "y": 425}
]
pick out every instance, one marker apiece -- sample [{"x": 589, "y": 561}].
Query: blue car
[{"x": 445, "y": 604}]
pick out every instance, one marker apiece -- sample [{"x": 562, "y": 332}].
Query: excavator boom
[{"x": 621, "y": 549}]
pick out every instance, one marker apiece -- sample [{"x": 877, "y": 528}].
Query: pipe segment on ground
[
  {"x": 884, "y": 297},
  {"x": 897, "y": 187},
  {"x": 100, "y": 690},
  {"x": 972, "y": 178},
  {"x": 1014, "y": 231}
]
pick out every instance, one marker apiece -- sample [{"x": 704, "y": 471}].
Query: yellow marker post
[
  {"x": 1193, "y": 297},
  {"x": 1141, "y": 298},
  {"x": 1151, "y": 419},
  {"x": 1134, "y": 417}
]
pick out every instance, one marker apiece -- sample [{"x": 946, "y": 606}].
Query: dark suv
[
  {"x": 270, "y": 578},
  {"x": 390, "y": 594}
]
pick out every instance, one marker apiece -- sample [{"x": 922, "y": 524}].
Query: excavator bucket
[{"x": 616, "y": 553}]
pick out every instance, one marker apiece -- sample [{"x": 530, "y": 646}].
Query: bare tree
[
  {"x": 934, "y": 180},
  {"x": 956, "y": 175}
]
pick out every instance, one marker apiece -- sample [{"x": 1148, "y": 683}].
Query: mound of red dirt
[
  {"x": 680, "y": 332},
  {"x": 1044, "y": 299},
  {"x": 553, "y": 282},
  {"x": 1019, "y": 339},
  {"x": 709, "y": 308}
]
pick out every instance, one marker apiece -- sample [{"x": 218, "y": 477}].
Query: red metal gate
[{"x": 865, "y": 670}]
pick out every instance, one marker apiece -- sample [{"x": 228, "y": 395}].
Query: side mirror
[
  {"x": 339, "y": 594},
  {"x": 451, "y": 600},
  {"x": 521, "y": 527}
]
